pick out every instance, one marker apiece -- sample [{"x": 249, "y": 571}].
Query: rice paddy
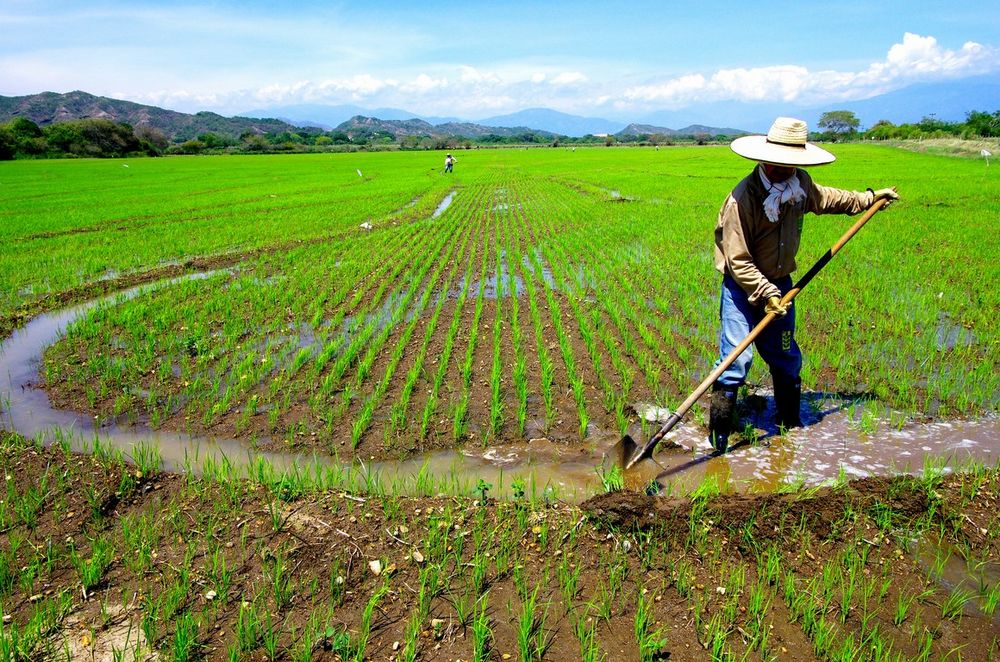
[{"x": 530, "y": 299}]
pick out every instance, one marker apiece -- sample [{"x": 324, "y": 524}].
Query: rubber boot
[
  {"x": 787, "y": 401},
  {"x": 721, "y": 416}
]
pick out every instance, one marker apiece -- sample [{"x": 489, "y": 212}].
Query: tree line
[
  {"x": 844, "y": 125},
  {"x": 102, "y": 138}
]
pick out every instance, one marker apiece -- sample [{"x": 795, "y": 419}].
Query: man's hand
[
  {"x": 774, "y": 305},
  {"x": 887, "y": 194}
]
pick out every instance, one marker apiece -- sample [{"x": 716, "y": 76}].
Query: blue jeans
[{"x": 776, "y": 343}]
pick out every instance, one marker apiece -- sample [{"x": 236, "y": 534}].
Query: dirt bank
[{"x": 99, "y": 556}]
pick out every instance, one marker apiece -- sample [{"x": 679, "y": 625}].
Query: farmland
[
  {"x": 368, "y": 307},
  {"x": 555, "y": 289}
]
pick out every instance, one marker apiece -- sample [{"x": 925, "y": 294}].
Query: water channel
[{"x": 834, "y": 443}]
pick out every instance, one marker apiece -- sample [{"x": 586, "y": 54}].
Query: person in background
[
  {"x": 449, "y": 163},
  {"x": 756, "y": 238}
]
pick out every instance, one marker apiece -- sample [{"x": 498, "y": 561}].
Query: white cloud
[
  {"x": 916, "y": 58},
  {"x": 472, "y": 75},
  {"x": 423, "y": 84},
  {"x": 568, "y": 78}
]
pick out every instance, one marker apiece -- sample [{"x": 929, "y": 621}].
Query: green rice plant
[
  {"x": 569, "y": 578},
  {"x": 585, "y": 629},
  {"x": 482, "y": 634},
  {"x": 8, "y": 563},
  {"x": 137, "y": 535},
  {"x": 147, "y": 458},
  {"x": 249, "y": 628},
  {"x": 28, "y": 504},
  {"x": 280, "y": 579},
  {"x": 364, "y": 630},
  {"x": 650, "y": 641},
  {"x": 990, "y": 598},
  {"x": 532, "y": 638},
  {"x": 91, "y": 570},
  {"x": 185, "y": 642},
  {"x": 612, "y": 478},
  {"x": 954, "y": 605}
]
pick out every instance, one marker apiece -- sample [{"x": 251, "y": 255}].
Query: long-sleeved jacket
[{"x": 756, "y": 251}]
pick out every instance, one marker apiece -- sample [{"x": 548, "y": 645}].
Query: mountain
[
  {"x": 690, "y": 130},
  {"x": 555, "y": 122},
  {"x": 327, "y": 116},
  {"x": 948, "y": 101},
  {"x": 50, "y": 107},
  {"x": 414, "y": 127}
]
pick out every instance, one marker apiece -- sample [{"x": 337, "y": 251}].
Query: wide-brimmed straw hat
[{"x": 785, "y": 144}]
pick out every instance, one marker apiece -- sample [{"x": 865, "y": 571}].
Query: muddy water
[
  {"x": 838, "y": 439},
  {"x": 445, "y": 203}
]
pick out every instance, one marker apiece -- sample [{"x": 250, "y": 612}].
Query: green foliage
[{"x": 839, "y": 122}]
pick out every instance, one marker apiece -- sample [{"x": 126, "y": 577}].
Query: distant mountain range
[
  {"x": 948, "y": 101},
  {"x": 49, "y": 107}
]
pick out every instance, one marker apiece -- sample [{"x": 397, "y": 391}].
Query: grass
[
  {"x": 366, "y": 312},
  {"x": 568, "y": 582},
  {"x": 318, "y": 336}
]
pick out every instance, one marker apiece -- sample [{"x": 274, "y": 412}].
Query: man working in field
[{"x": 756, "y": 239}]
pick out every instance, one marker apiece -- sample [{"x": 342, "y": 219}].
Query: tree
[{"x": 840, "y": 122}]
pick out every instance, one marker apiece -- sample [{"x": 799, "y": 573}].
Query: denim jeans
[{"x": 776, "y": 343}]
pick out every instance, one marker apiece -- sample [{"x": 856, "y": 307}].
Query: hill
[
  {"x": 360, "y": 124},
  {"x": 51, "y": 107},
  {"x": 690, "y": 130},
  {"x": 555, "y": 122}
]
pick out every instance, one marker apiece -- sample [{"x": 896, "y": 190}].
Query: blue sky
[{"x": 475, "y": 59}]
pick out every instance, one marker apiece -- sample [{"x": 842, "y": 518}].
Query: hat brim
[{"x": 757, "y": 148}]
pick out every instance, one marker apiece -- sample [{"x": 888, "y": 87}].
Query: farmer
[
  {"x": 756, "y": 238},
  {"x": 449, "y": 163}
]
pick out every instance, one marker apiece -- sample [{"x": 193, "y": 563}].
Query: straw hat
[{"x": 785, "y": 144}]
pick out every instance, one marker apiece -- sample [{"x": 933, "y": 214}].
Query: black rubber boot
[
  {"x": 721, "y": 416},
  {"x": 787, "y": 401}
]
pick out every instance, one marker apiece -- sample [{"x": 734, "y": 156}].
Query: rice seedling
[
  {"x": 482, "y": 633},
  {"x": 650, "y": 641}
]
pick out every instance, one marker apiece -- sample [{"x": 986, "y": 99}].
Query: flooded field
[{"x": 387, "y": 425}]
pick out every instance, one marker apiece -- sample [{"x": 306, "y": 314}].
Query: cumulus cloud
[
  {"x": 423, "y": 84},
  {"x": 915, "y": 58},
  {"x": 568, "y": 78}
]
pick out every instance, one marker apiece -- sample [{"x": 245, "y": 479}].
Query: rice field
[
  {"x": 368, "y": 306},
  {"x": 533, "y": 293}
]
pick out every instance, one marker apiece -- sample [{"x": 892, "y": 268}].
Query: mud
[{"x": 840, "y": 439}]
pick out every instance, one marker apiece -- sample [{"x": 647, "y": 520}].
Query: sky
[{"x": 474, "y": 59}]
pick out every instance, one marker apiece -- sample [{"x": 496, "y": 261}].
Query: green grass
[{"x": 305, "y": 342}]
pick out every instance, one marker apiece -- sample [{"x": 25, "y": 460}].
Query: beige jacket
[{"x": 756, "y": 251}]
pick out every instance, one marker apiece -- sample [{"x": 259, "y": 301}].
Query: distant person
[
  {"x": 449, "y": 163},
  {"x": 756, "y": 238}
]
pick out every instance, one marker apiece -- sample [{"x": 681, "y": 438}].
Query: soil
[{"x": 194, "y": 562}]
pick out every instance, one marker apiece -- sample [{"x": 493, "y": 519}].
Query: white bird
[
  {"x": 986, "y": 155},
  {"x": 359, "y": 174}
]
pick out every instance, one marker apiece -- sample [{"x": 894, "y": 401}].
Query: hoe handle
[{"x": 675, "y": 418}]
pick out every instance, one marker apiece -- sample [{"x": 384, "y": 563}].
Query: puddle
[
  {"x": 546, "y": 272},
  {"x": 838, "y": 438},
  {"x": 944, "y": 563},
  {"x": 443, "y": 205},
  {"x": 833, "y": 442},
  {"x": 500, "y": 280},
  {"x": 950, "y": 335}
]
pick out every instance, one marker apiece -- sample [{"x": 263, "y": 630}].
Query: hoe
[{"x": 632, "y": 452}]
